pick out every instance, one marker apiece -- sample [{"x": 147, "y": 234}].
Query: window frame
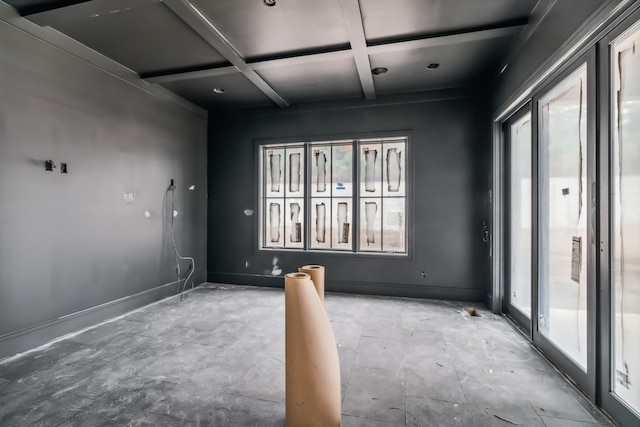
[
  {"x": 355, "y": 140},
  {"x": 608, "y": 399}
]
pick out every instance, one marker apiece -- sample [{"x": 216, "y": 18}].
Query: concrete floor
[{"x": 217, "y": 359}]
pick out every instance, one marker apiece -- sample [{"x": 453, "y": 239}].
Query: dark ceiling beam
[
  {"x": 161, "y": 77},
  {"x": 205, "y": 28},
  {"x": 443, "y": 40},
  {"x": 301, "y": 59},
  {"x": 87, "y": 9},
  {"x": 188, "y": 75},
  {"x": 353, "y": 21}
]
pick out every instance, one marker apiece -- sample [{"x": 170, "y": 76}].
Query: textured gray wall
[
  {"x": 450, "y": 149},
  {"x": 71, "y": 242}
]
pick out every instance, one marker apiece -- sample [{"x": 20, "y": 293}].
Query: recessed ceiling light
[
  {"x": 379, "y": 70},
  {"x": 432, "y": 66},
  {"x": 269, "y": 3},
  {"x": 219, "y": 90}
]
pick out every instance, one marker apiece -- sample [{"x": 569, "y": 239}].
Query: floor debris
[
  {"x": 473, "y": 312},
  {"x": 506, "y": 421}
]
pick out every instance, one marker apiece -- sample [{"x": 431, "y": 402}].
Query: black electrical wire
[{"x": 181, "y": 286}]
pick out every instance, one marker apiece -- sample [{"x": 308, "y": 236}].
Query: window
[
  {"x": 331, "y": 193},
  {"x": 342, "y": 196}
]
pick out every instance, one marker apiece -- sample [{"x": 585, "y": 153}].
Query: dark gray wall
[
  {"x": 536, "y": 50},
  {"x": 450, "y": 146},
  {"x": 71, "y": 242}
]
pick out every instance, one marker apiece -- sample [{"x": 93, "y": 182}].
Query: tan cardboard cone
[
  {"x": 311, "y": 358},
  {"x": 317, "y": 276}
]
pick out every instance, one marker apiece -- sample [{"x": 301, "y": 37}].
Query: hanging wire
[{"x": 181, "y": 286}]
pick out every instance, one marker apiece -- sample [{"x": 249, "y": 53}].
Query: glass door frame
[
  {"x": 584, "y": 380},
  {"x": 507, "y": 308},
  {"x": 607, "y": 400}
]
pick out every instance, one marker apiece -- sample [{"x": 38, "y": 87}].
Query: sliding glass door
[
  {"x": 563, "y": 213},
  {"x": 624, "y": 244},
  {"x": 572, "y": 220},
  {"x": 549, "y": 287},
  {"x": 518, "y": 236}
]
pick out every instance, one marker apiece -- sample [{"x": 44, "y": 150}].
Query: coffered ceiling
[{"x": 296, "y": 51}]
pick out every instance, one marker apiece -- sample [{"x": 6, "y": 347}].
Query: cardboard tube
[
  {"x": 317, "y": 277},
  {"x": 312, "y": 365}
]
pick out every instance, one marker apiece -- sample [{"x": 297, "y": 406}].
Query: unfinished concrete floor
[{"x": 217, "y": 359}]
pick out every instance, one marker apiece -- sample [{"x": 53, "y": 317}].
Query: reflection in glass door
[
  {"x": 563, "y": 216},
  {"x": 519, "y": 277},
  {"x": 625, "y": 217}
]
